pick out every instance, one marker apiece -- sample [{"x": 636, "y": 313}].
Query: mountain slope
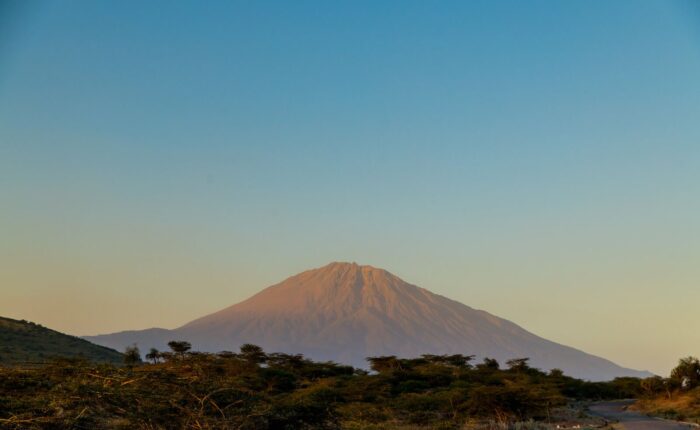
[
  {"x": 346, "y": 312},
  {"x": 25, "y": 342}
]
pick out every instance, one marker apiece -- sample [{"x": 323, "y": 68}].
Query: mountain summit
[{"x": 346, "y": 312}]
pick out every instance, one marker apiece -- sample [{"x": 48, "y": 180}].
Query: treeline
[
  {"x": 252, "y": 389},
  {"x": 683, "y": 378}
]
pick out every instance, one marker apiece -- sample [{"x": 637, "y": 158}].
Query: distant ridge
[
  {"x": 24, "y": 342},
  {"x": 346, "y": 312}
]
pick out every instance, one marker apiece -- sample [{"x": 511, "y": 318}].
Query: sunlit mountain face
[{"x": 346, "y": 312}]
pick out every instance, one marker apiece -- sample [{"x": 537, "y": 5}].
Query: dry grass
[{"x": 681, "y": 406}]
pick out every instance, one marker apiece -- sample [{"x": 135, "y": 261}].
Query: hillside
[
  {"x": 346, "y": 312},
  {"x": 27, "y": 342}
]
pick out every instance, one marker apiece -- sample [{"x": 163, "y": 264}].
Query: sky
[{"x": 540, "y": 160}]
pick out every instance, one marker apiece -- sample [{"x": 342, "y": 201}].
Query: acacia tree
[
  {"x": 489, "y": 364},
  {"x": 518, "y": 364},
  {"x": 652, "y": 385},
  {"x": 456, "y": 360},
  {"x": 556, "y": 373},
  {"x": 153, "y": 355},
  {"x": 384, "y": 363},
  {"x": 179, "y": 347},
  {"x": 253, "y": 353},
  {"x": 132, "y": 355}
]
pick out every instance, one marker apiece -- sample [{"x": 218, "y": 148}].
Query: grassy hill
[{"x": 27, "y": 342}]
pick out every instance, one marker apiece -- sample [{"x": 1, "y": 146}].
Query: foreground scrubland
[
  {"x": 676, "y": 397},
  {"x": 256, "y": 390},
  {"x": 681, "y": 406}
]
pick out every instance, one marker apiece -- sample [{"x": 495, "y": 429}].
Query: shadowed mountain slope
[
  {"x": 346, "y": 312},
  {"x": 23, "y": 342}
]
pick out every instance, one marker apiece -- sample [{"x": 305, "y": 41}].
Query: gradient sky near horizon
[{"x": 539, "y": 160}]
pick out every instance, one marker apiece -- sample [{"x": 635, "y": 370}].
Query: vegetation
[
  {"x": 252, "y": 389},
  {"x": 23, "y": 342},
  {"x": 676, "y": 397},
  {"x": 132, "y": 356}
]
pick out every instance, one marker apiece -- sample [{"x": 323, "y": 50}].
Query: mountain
[
  {"x": 346, "y": 312},
  {"x": 23, "y": 342}
]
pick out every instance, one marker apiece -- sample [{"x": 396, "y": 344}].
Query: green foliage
[
  {"x": 489, "y": 364},
  {"x": 253, "y": 354},
  {"x": 153, "y": 355},
  {"x": 676, "y": 397},
  {"x": 23, "y": 343},
  {"x": 687, "y": 373},
  {"x": 132, "y": 355},
  {"x": 179, "y": 347},
  {"x": 256, "y": 390}
]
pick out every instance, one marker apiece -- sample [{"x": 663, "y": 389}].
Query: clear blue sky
[{"x": 540, "y": 160}]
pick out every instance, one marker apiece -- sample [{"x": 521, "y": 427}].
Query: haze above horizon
[{"x": 541, "y": 160}]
